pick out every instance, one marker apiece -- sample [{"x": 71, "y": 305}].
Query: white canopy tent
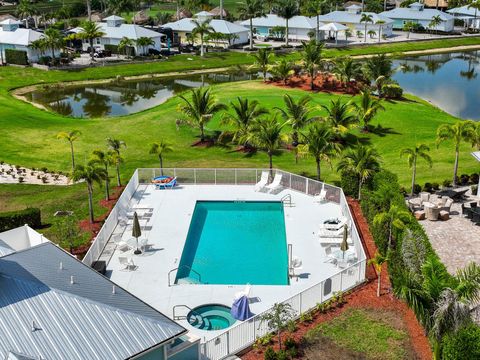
[
  {"x": 333, "y": 27},
  {"x": 476, "y": 155}
]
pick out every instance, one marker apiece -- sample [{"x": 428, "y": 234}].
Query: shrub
[
  {"x": 21, "y": 179},
  {"x": 44, "y": 60},
  {"x": 446, "y": 183},
  {"x": 282, "y": 355},
  {"x": 417, "y": 188},
  {"x": 465, "y": 344},
  {"x": 290, "y": 343},
  {"x": 292, "y": 326},
  {"x": 17, "y": 57},
  {"x": 474, "y": 189},
  {"x": 270, "y": 354},
  {"x": 464, "y": 179},
  {"x": 112, "y": 48},
  {"x": 435, "y": 186},
  {"x": 427, "y": 187},
  {"x": 392, "y": 91},
  {"x": 306, "y": 317},
  {"x": 349, "y": 184},
  {"x": 12, "y": 219}
]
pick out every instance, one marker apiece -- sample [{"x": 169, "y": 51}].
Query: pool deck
[{"x": 166, "y": 231}]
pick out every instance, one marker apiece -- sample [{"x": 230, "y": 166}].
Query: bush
[
  {"x": 465, "y": 344},
  {"x": 446, "y": 183},
  {"x": 290, "y": 343},
  {"x": 112, "y": 48},
  {"x": 17, "y": 57},
  {"x": 474, "y": 178},
  {"x": 392, "y": 91},
  {"x": 270, "y": 354},
  {"x": 427, "y": 187},
  {"x": 435, "y": 186},
  {"x": 44, "y": 60},
  {"x": 349, "y": 184},
  {"x": 464, "y": 179},
  {"x": 12, "y": 219}
]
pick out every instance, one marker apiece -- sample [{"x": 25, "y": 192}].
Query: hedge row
[
  {"x": 12, "y": 219},
  {"x": 17, "y": 57}
]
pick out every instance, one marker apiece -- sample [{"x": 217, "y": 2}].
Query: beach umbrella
[
  {"x": 240, "y": 309},
  {"x": 136, "y": 231},
  {"x": 344, "y": 244}
]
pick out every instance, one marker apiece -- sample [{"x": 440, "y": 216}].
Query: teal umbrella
[
  {"x": 344, "y": 244},
  {"x": 136, "y": 231}
]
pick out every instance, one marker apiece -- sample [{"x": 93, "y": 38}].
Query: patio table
[{"x": 349, "y": 256}]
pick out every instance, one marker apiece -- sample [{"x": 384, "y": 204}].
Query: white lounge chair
[
  {"x": 276, "y": 183},
  {"x": 121, "y": 244},
  {"x": 263, "y": 181},
  {"x": 320, "y": 197},
  {"x": 244, "y": 292},
  {"x": 127, "y": 262}
]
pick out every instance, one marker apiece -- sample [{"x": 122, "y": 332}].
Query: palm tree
[
  {"x": 26, "y": 9},
  {"x": 297, "y": 113},
  {"x": 70, "y": 137},
  {"x": 476, "y": 6},
  {"x": 90, "y": 31},
  {"x": 115, "y": 145},
  {"x": 287, "y": 9},
  {"x": 245, "y": 113},
  {"x": 372, "y": 33},
  {"x": 160, "y": 148},
  {"x": 125, "y": 46},
  {"x": 340, "y": 115},
  {"x": 314, "y": 8},
  {"x": 346, "y": 69},
  {"x": 39, "y": 45},
  {"x": 413, "y": 154},
  {"x": 436, "y": 20},
  {"x": 202, "y": 29},
  {"x": 105, "y": 159},
  {"x": 377, "y": 261},
  {"x": 266, "y": 135},
  {"x": 380, "y": 24},
  {"x": 366, "y": 18},
  {"x": 320, "y": 142},
  {"x": 408, "y": 26},
  {"x": 282, "y": 70},
  {"x": 200, "y": 109},
  {"x": 463, "y": 130},
  {"x": 163, "y": 18},
  {"x": 311, "y": 58},
  {"x": 262, "y": 60},
  {"x": 367, "y": 108},
  {"x": 144, "y": 42},
  {"x": 395, "y": 218},
  {"x": 362, "y": 161},
  {"x": 249, "y": 9},
  {"x": 378, "y": 66},
  {"x": 53, "y": 39},
  {"x": 90, "y": 174}
]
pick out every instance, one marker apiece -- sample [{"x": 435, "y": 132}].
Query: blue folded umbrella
[{"x": 241, "y": 309}]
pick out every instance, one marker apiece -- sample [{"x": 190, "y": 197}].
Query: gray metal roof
[
  {"x": 5, "y": 249},
  {"x": 415, "y": 14},
  {"x": 83, "y": 320},
  {"x": 345, "y": 17},
  {"x": 464, "y": 10}
]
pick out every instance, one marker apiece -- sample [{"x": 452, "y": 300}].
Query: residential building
[
  {"x": 352, "y": 17},
  {"x": 54, "y": 307},
  {"x": 417, "y": 14},
  {"x": 469, "y": 15}
]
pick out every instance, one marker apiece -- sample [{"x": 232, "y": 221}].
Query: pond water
[{"x": 449, "y": 81}]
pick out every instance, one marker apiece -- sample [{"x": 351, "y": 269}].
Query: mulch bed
[
  {"x": 323, "y": 82},
  {"x": 364, "y": 296}
]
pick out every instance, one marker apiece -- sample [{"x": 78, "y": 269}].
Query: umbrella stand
[
  {"x": 136, "y": 232},
  {"x": 137, "y": 250}
]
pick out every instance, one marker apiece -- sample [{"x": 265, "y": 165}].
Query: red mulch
[
  {"x": 322, "y": 82},
  {"x": 365, "y": 296},
  {"x": 205, "y": 143}
]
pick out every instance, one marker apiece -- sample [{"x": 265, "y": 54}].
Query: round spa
[{"x": 211, "y": 317}]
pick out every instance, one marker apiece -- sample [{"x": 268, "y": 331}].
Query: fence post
[
  {"x": 215, "y": 176},
  {"x": 306, "y": 187},
  {"x": 228, "y": 343},
  {"x": 195, "y": 176},
  {"x": 341, "y": 281},
  {"x": 300, "y": 301},
  {"x": 290, "y": 180},
  {"x": 235, "y": 176}
]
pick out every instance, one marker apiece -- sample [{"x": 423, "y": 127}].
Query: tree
[
  {"x": 144, "y": 42},
  {"x": 463, "y": 130},
  {"x": 380, "y": 24},
  {"x": 412, "y": 154},
  {"x": 115, "y": 145},
  {"x": 312, "y": 58},
  {"x": 26, "y": 9},
  {"x": 367, "y": 108},
  {"x": 160, "y": 148},
  {"x": 125, "y": 46},
  {"x": 377, "y": 66},
  {"x": 366, "y": 18},
  {"x": 372, "y": 33},
  {"x": 297, "y": 113},
  {"x": 377, "y": 261},
  {"x": 249, "y": 9},
  {"x": 53, "y": 39},
  {"x": 278, "y": 317},
  {"x": 200, "y": 109},
  {"x": 314, "y": 8},
  {"x": 70, "y": 137},
  {"x": 67, "y": 232},
  {"x": 340, "y": 116},
  {"x": 163, "y": 18},
  {"x": 346, "y": 69},
  {"x": 105, "y": 159},
  {"x": 262, "y": 60},
  {"x": 476, "y": 6},
  {"x": 90, "y": 31},
  {"x": 320, "y": 142},
  {"x": 394, "y": 219},
  {"x": 287, "y": 9},
  {"x": 39, "y": 45},
  {"x": 282, "y": 70},
  {"x": 362, "y": 161},
  {"x": 409, "y": 26},
  {"x": 436, "y": 20},
  {"x": 201, "y": 29},
  {"x": 90, "y": 174}
]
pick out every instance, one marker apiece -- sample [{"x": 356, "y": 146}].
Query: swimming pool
[{"x": 232, "y": 242}]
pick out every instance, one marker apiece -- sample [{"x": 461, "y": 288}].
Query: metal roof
[
  {"x": 42, "y": 314},
  {"x": 5, "y": 249},
  {"x": 346, "y": 17},
  {"x": 220, "y": 26},
  {"x": 271, "y": 20},
  {"x": 464, "y": 10},
  {"x": 130, "y": 31},
  {"x": 416, "y": 14},
  {"x": 19, "y": 36}
]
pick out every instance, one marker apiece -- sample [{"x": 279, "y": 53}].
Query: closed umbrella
[
  {"x": 136, "y": 231},
  {"x": 344, "y": 244}
]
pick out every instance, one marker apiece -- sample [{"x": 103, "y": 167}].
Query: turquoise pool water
[
  {"x": 211, "y": 317},
  {"x": 235, "y": 243}
]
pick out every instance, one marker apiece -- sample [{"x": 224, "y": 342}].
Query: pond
[{"x": 449, "y": 81}]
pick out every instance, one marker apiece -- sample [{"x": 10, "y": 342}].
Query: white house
[
  {"x": 352, "y": 16},
  {"x": 299, "y": 27},
  {"x": 14, "y": 37},
  {"x": 114, "y": 29},
  {"x": 469, "y": 15},
  {"x": 417, "y": 13}
]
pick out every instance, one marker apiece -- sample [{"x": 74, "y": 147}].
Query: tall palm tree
[
  {"x": 125, "y": 46},
  {"x": 378, "y": 65},
  {"x": 312, "y": 58},
  {"x": 340, "y": 116},
  {"x": 320, "y": 142},
  {"x": 39, "y": 45},
  {"x": 346, "y": 69},
  {"x": 160, "y": 148},
  {"x": 408, "y": 26},
  {"x": 115, "y": 145},
  {"x": 200, "y": 109},
  {"x": 245, "y": 113},
  {"x": 395, "y": 218},
  {"x": 53, "y": 39},
  {"x": 366, "y": 18},
  {"x": 105, "y": 159},
  {"x": 314, "y": 8},
  {"x": 380, "y": 24},
  {"x": 287, "y": 9},
  {"x": 412, "y": 154},
  {"x": 367, "y": 108},
  {"x": 377, "y": 261},
  {"x": 463, "y": 130},
  {"x": 90, "y": 31},
  {"x": 282, "y": 70},
  {"x": 201, "y": 29},
  {"x": 249, "y": 9},
  {"x": 90, "y": 174},
  {"x": 144, "y": 42},
  {"x": 70, "y": 137},
  {"x": 262, "y": 60},
  {"x": 362, "y": 161},
  {"x": 26, "y": 9},
  {"x": 297, "y": 113},
  {"x": 476, "y": 6},
  {"x": 436, "y": 20}
]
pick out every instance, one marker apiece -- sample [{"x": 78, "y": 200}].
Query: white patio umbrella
[{"x": 333, "y": 27}]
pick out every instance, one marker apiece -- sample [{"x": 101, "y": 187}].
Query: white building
[
  {"x": 299, "y": 27},
  {"x": 114, "y": 29},
  {"x": 417, "y": 14},
  {"x": 469, "y": 15},
  {"x": 352, "y": 18}
]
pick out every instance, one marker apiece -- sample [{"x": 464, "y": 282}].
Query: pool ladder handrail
[
  {"x": 185, "y": 317},
  {"x": 287, "y": 200},
  {"x": 182, "y": 266}
]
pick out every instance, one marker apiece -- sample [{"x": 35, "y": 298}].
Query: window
[{"x": 98, "y": 41}]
